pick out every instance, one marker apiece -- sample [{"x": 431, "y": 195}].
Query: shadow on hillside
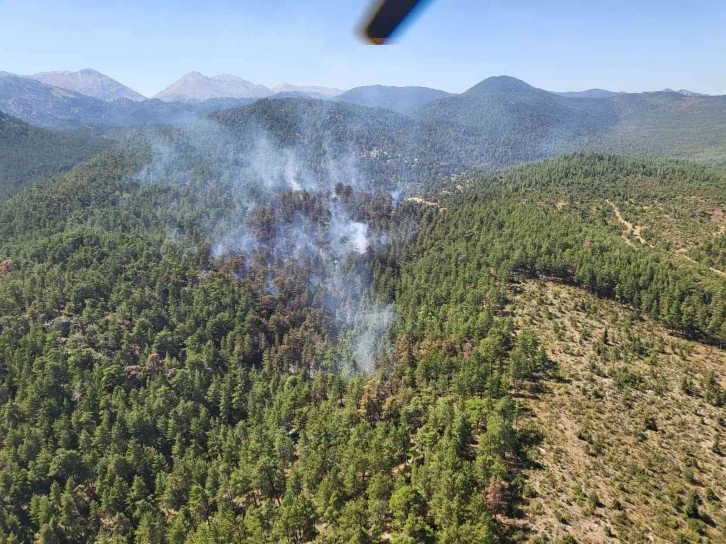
[{"x": 516, "y": 529}]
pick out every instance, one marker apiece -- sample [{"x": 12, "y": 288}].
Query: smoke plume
[{"x": 255, "y": 174}]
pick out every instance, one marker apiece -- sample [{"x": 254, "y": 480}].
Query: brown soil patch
[
  {"x": 6, "y": 267},
  {"x": 420, "y": 200}
]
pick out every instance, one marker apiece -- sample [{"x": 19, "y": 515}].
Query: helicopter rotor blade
[{"x": 387, "y": 18}]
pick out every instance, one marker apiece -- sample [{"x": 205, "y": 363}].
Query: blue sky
[{"x": 632, "y": 45}]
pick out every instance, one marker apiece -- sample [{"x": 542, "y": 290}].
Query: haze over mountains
[
  {"x": 48, "y": 106},
  {"x": 684, "y": 92},
  {"x": 500, "y": 121},
  {"x": 311, "y": 90},
  {"x": 195, "y": 86},
  {"x": 602, "y": 93},
  {"x": 87, "y": 97},
  {"x": 590, "y": 93},
  {"x": 401, "y": 99}
]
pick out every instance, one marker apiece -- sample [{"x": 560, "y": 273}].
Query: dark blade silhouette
[{"x": 387, "y": 18}]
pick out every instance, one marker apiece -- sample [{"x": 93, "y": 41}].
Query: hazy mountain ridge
[
  {"x": 590, "y": 93},
  {"x": 400, "y": 99},
  {"x": 505, "y": 107},
  {"x": 90, "y": 83},
  {"x": 310, "y": 90},
  {"x": 603, "y": 93},
  {"x": 195, "y": 87},
  {"x": 667, "y": 125},
  {"x": 501, "y": 103},
  {"x": 44, "y": 105}
]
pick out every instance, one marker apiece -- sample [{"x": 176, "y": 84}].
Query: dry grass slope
[{"x": 631, "y": 449}]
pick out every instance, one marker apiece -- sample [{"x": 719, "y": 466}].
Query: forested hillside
[
  {"x": 154, "y": 392},
  {"x": 668, "y": 124},
  {"x": 534, "y": 123},
  {"x": 28, "y": 153},
  {"x": 318, "y": 139},
  {"x": 329, "y": 365},
  {"x": 507, "y": 106},
  {"x": 624, "y": 430},
  {"x": 562, "y": 218}
]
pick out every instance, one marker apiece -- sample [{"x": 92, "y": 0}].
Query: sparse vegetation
[{"x": 634, "y": 483}]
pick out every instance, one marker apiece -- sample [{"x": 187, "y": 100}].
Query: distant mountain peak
[
  {"x": 89, "y": 82},
  {"x": 500, "y": 84},
  {"x": 509, "y": 80},
  {"x": 195, "y": 86}
]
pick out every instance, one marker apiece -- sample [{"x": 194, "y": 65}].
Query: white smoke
[
  {"x": 396, "y": 196},
  {"x": 370, "y": 337},
  {"x": 254, "y": 169}
]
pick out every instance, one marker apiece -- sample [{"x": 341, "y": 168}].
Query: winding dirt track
[
  {"x": 632, "y": 229},
  {"x": 635, "y": 231},
  {"x": 681, "y": 252}
]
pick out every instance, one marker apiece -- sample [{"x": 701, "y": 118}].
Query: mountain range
[
  {"x": 49, "y": 106},
  {"x": 501, "y": 120},
  {"x": 87, "y": 97},
  {"x": 684, "y": 92},
  {"x": 196, "y": 87},
  {"x": 313, "y": 91}
]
